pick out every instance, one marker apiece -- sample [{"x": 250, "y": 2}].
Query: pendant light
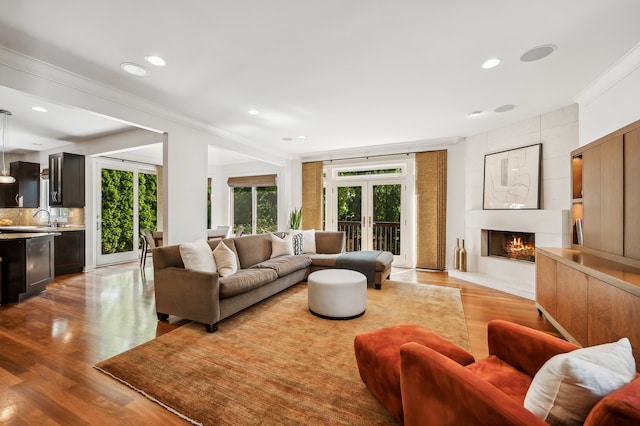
[{"x": 5, "y": 177}]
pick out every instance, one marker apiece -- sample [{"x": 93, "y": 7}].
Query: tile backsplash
[{"x": 24, "y": 216}]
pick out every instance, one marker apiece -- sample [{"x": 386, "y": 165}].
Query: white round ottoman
[{"x": 337, "y": 293}]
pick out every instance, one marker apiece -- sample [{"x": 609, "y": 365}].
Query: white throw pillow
[
  {"x": 225, "y": 260},
  {"x": 566, "y": 388},
  {"x": 281, "y": 246},
  {"x": 309, "y": 241},
  {"x": 197, "y": 256}
]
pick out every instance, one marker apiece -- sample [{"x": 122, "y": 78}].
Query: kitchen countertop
[
  {"x": 41, "y": 229},
  {"x": 25, "y": 235}
]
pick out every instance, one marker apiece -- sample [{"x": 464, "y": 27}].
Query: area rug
[{"x": 276, "y": 363}]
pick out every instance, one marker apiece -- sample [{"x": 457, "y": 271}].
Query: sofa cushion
[
  {"x": 245, "y": 280},
  {"x": 197, "y": 255},
  {"x": 324, "y": 260},
  {"x": 253, "y": 249},
  {"x": 284, "y": 265},
  {"x": 505, "y": 377},
  {"x": 568, "y": 385},
  {"x": 226, "y": 260},
  {"x": 281, "y": 246}
]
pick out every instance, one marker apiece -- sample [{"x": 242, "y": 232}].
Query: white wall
[
  {"x": 558, "y": 133},
  {"x": 611, "y": 101},
  {"x": 456, "y": 183},
  {"x": 289, "y": 188},
  {"x": 185, "y": 152}
]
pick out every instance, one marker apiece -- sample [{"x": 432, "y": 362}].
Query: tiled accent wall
[{"x": 558, "y": 133}]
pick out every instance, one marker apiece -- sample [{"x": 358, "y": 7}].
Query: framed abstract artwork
[{"x": 512, "y": 179}]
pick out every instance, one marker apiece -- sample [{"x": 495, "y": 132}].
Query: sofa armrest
[
  {"x": 438, "y": 391},
  {"x": 522, "y": 347},
  {"x": 188, "y": 294}
]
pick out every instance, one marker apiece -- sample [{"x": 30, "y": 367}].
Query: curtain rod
[{"x": 366, "y": 157}]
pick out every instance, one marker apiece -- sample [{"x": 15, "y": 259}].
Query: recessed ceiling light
[
  {"x": 253, "y": 112},
  {"x": 287, "y": 139},
  {"x": 37, "y": 144},
  {"x": 302, "y": 137},
  {"x": 538, "y": 53},
  {"x": 134, "y": 69},
  {"x": 39, "y": 109},
  {"x": 491, "y": 63},
  {"x": 475, "y": 114},
  {"x": 504, "y": 108},
  {"x": 155, "y": 60}
]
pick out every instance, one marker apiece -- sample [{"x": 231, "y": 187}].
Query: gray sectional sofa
[{"x": 208, "y": 298}]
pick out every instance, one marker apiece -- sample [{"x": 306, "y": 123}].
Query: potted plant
[{"x": 295, "y": 218}]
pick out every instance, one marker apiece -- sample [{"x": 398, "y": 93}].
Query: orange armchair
[{"x": 436, "y": 390}]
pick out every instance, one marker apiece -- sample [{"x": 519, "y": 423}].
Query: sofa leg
[
  {"x": 211, "y": 327},
  {"x": 378, "y": 286},
  {"x": 162, "y": 317}
]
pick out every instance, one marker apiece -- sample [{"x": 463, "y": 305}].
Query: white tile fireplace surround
[{"x": 551, "y": 229}]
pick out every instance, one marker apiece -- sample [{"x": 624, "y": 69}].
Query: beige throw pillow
[
  {"x": 197, "y": 256},
  {"x": 225, "y": 260},
  {"x": 566, "y": 388},
  {"x": 281, "y": 246}
]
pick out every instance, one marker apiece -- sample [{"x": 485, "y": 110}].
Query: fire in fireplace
[{"x": 512, "y": 245}]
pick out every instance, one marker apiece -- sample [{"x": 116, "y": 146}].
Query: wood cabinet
[
  {"x": 27, "y": 265},
  {"x": 25, "y": 191},
  {"x": 66, "y": 180},
  {"x": 69, "y": 252},
  {"x": 606, "y": 196},
  {"x": 632, "y": 194},
  {"x": 590, "y": 300}
]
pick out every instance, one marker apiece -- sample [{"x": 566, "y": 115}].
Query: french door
[
  {"x": 370, "y": 214},
  {"x": 128, "y": 201}
]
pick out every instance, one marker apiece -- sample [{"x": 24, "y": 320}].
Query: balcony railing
[{"x": 386, "y": 236}]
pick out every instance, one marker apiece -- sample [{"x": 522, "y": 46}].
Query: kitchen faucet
[{"x": 48, "y": 216}]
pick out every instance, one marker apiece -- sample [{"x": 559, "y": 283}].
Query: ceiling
[{"x": 345, "y": 74}]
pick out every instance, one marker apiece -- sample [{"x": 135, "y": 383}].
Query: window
[{"x": 255, "y": 203}]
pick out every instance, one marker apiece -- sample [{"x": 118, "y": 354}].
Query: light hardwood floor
[{"x": 50, "y": 342}]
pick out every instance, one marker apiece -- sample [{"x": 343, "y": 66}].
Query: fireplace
[{"x": 510, "y": 245}]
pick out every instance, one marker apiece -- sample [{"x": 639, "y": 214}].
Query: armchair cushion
[{"x": 569, "y": 385}]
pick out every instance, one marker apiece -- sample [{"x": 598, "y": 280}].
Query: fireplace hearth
[{"x": 510, "y": 245}]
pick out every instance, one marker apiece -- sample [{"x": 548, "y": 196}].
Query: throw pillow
[
  {"x": 298, "y": 246},
  {"x": 309, "y": 241},
  {"x": 225, "y": 260},
  {"x": 566, "y": 388},
  {"x": 197, "y": 256},
  {"x": 281, "y": 246}
]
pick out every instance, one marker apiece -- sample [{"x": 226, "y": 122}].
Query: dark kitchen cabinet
[
  {"x": 66, "y": 180},
  {"x": 69, "y": 252},
  {"x": 25, "y": 191},
  {"x": 27, "y": 266}
]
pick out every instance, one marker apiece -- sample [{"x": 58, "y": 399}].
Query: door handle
[{"x": 369, "y": 221}]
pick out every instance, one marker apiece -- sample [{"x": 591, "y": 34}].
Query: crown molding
[
  {"x": 33, "y": 76},
  {"x": 626, "y": 65}
]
